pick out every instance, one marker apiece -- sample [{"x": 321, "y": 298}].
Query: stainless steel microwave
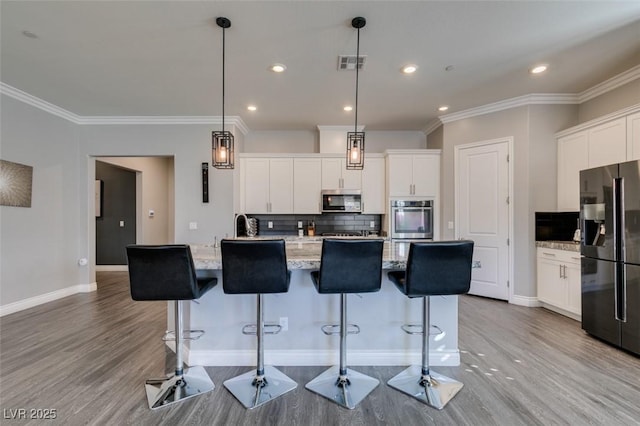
[{"x": 341, "y": 201}]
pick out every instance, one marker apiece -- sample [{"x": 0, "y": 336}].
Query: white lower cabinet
[{"x": 558, "y": 280}]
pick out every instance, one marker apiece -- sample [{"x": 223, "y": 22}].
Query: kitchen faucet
[{"x": 235, "y": 224}]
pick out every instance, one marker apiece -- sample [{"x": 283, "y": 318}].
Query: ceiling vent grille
[{"x": 348, "y": 62}]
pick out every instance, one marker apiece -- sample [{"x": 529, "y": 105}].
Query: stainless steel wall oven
[{"x": 412, "y": 219}]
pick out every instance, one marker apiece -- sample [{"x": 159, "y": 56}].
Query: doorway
[
  {"x": 484, "y": 213},
  {"x": 154, "y": 202}
]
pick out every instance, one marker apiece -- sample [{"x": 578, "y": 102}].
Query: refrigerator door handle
[
  {"x": 618, "y": 219},
  {"x": 620, "y": 292}
]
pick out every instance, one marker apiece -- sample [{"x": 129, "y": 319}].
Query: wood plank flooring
[{"x": 87, "y": 357}]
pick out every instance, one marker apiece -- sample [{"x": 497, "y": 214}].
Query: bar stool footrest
[
  {"x": 331, "y": 329},
  {"x": 163, "y": 392},
  {"x": 326, "y": 385},
  {"x": 252, "y": 329},
  {"x": 274, "y": 384},
  {"x": 417, "y": 329},
  {"x": 170, "y": 336},
  {"x": 436, "y": 393}
]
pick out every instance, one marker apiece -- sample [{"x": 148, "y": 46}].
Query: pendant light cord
[
  {"x": 357, "y": 69},
  {"x": 223, "y": 50}
]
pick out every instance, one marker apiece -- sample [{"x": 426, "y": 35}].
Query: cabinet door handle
[
  {"x": 548, "y": 254},
  {"x": 560, "y": 270}
]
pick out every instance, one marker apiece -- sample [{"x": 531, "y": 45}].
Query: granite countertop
[
  {"x": 302, "y": 255},
  {"x": 560, "y": 245}
]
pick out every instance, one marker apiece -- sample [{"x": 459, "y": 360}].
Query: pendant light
[
  {"x": 222, "y": 141},
  {"x": 355, "y": 139}
]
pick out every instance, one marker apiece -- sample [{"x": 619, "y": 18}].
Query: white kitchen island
[{"x": 379, "y": 315}]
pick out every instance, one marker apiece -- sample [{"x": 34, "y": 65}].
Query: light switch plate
[
  {"x": 450, "y": 225},
  {"x": 372, "y": 224},
  {"x": 299, "y": 224},
  {"x": 270, "y": 225},
  {"x": 122, "y": 224},
  {"x": 193, "y": 225}
]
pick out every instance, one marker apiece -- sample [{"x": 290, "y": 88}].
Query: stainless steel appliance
[
  {"x": 412, "y": 219},
  {"x": 610, "y": 245},
  {"x": 341, "y": 201}
]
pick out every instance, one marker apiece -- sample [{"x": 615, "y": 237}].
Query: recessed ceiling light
[
  {"x": 538, "y": 69},
  {"x": 348, "y": 108},
  {"x": 409, "y": 69},
  {"x": 252, "y": 107},
  {"x": 278, "y": 68},
  {"x": 443, "y": 108}
]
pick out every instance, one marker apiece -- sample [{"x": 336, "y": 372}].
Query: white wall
[{"x": 39, "y": 246}]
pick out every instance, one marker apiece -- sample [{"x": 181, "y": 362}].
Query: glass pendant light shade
[
  {"x": 355, "y": 139},
  {"x": 355, "y": 150},
  {"x": 222, "y": 141}
]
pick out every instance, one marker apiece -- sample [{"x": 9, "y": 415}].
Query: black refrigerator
[{"x": 610, "y": 247}]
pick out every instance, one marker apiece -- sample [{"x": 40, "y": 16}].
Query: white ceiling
[{"x": 163, "y": 58}]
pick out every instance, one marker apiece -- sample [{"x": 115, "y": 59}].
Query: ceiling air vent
[{"x": 348, "y": 62}]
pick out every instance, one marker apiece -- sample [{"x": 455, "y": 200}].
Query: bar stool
[
  {"x": 256, "y": 267},
  {"x": 433, "y": 269},
  {"x": 347, "y": 266},
  {"x": 166, "y": 272}
]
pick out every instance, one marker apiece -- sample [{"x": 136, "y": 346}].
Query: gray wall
[
  {"x": 306, "y": 142},
  {"x": 435, "y": 139},
  {"x": 39, "y": 246},
  {"x": 534, "y": 150},
  {"x": 617, "y": 99}
]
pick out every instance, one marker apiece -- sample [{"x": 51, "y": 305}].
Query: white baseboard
[
  {"x": 112, "y": 268},
  {"x": 247, "y": 357},
  {"x": 21, "y": 305},
  {"x": 531, "y": 302}
]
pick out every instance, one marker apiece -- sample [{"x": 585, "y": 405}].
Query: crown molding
[
  {"x": 432, "y": 126},
  {"x": 531, "y": 99},
  {"x": 600, "y": 120},
  {"x": 28, "y": 99},
  {"x": 34, "y": 101},
  {"x": 151, "y": 120},
  {"x": 608, "y": 85}
]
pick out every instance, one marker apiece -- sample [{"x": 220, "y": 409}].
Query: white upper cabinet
[
  {"x": 633, "y": 137},
  {"x": 336, "y": 176},
  {"x": 608, "y": 143},
  {"x": 267, "y": 185},
  {"x": 373, "y": 186},
  {"x": 612, "y": 139},
  {"x": 572, "y": 157},
  {"x": 413, "y": 175},
  {"x": 307, "y": 184}
]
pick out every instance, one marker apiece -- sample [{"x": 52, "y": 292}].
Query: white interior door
[{"x": 482, "y": 207}]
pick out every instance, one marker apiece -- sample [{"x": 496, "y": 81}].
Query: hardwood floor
[{"x": 87, "y": 357}]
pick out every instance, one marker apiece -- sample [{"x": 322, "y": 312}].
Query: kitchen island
[{"x": 379, "y": 315}]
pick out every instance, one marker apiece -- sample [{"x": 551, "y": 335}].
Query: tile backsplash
[{"x": 287, "y": 224}]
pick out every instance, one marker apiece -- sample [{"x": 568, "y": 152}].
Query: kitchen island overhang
[{"x": 379, "y": 315}]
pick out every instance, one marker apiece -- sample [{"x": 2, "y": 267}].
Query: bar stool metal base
[
  {"x": 252, "y": 395},
  {"x": 162, "y": 392},
  {"x": 437, "y": 393},
  {"x": 358, "y": 387}
]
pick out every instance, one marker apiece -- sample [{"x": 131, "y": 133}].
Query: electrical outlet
[
  {"x": 372, "y": 224},
  {"x": 450, "y": 225},
  {"x": 270, "y": 225},
  {"x": 299, "y": 224},
  {"x": 284, "y": 323}
]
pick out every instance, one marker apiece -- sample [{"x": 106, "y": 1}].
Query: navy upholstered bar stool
[
  {"x": 433, "y": 269},
  {"x": 256, "y": 267},
  {"x": 166, "y": 272},
  {"x": 347, "y": 266}
]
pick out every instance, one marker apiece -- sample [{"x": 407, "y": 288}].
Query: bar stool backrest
[
  {"x": 350, "y": 266},
  {"x": 254, "y": 266},
  {"x": 162, "y": 272},
  {"x": 438, "y": 268}
]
